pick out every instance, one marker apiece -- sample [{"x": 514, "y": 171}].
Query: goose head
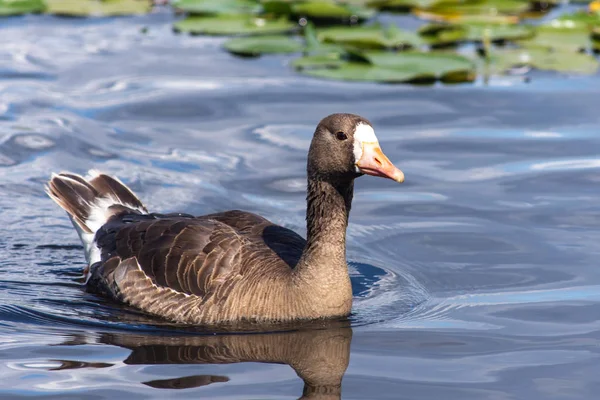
[{"x": 344, "y": 147}]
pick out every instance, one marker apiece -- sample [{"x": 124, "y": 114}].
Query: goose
[{"x": 234, "y": 266}]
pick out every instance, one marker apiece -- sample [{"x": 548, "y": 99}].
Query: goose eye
[{"x": 341, "y": 136}]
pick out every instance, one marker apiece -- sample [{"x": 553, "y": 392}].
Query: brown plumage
[{"x": 233, "y": 266}]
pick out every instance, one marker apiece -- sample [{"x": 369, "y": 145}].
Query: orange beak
[{"x": 374, "y": 162}]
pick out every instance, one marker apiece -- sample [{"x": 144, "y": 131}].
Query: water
[{"x": 477, "y": 278}]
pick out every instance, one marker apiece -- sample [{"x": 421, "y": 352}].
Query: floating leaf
[
  {"x": 486, "y": 7},
  {"x": 560, "y": 38},
  {"x": 319, "y": 61},
  {"x": 316, "y": 47},
  {"x": 217, "y": 7},
  {"x": 82, "y": 8},
  {"x": 379, "y": 66},
  {"x": 278, "y": 7},
  {"x": 362, "y": 72},
  {"x": 256, "y": 45},
  {"x": 466, "y": 18},
  {"x": 437, "y": 64},
  {"x": 571, "y": 32},
  {"x": 442, "y": 34},
  {"x": 18, "y": 7},
  {"x": 370, "y": 37},
  {"x": 544, "y": 59},
  {"x": 232, "y": 25},
  {"x": 402, "y": 5},
  {"x": 576, "y": 20},
  {"x": 484, "y": 11},
  {"x": 328, "y": 10}
]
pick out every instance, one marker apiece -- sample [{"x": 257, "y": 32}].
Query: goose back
[{"x": 193, "y": 268}]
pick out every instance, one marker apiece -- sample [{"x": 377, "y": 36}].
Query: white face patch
[{"x": 363, "y": 133}]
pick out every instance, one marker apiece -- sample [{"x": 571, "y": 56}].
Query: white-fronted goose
[{"x": 233, "y": 266}]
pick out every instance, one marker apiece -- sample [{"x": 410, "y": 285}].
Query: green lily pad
[
  {"x": 544, "y": 59},
  {"x": 18, "y": 7},
  {"x": 374, "y": 37},
  {"x": 316, "y": 47},
  {"x": 579, "y": 19},
  {"x": 483, "y": 11},
  {"x": 319, "y": 9},
  {"x": 402, "y": 5},
  {"x": 217, "y": 7},
  {"x": 596, "y": 34},
  {"x": 572, "y": 32},
  {"x": 362, "y": 72},
  {"x": 560, "y": 38},
  {"x": 437, "y": 64},
  {"x": 379, "y": 66},
  {"x": 331, "y": 60},
  {"x": 328, "y": 10},
  {"x": 486, "y": 7},
  {"x": 257, "y": 45},
  {"x": 466, "y": 18},
  {"x": 442, "y": 34},
  {"x": 233, "y": 25},
  {"x": 83, "y": 8},
  {"x": 277, "y": 7}
]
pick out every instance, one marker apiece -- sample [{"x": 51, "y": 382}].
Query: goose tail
[{"x": 90, "y": 201}]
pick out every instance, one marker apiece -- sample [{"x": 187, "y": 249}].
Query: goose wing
[{"x": 183, "y": 254}]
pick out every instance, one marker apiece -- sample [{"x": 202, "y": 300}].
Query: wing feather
[{"x": 187, "y": 255}]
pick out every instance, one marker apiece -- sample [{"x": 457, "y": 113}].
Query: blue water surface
[{"x": 478, "y": 278}]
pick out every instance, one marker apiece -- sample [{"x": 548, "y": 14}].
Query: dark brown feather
[
  {"x": 107, "y": 186},
  {"x": 74, "y": 195},
  {"x": 193, "y": 255}
]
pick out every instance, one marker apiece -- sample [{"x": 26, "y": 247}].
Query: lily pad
[
  {"x": 379, "y": 66},
  {"x": 486, "y": 7},
  {"x": 217, "y": 7},
  {"x": 373, "y": 37},
  {"x": 485, "y": 11},
  {"x": 316, "y": 47},
  {"x": 580, "y": 19},
  {"x": 544, "y": 59},
  {"x": 566, "y": 39},
  {"x": 277, "y": 7},
  {"x": 362, "y": 72},
  {"x": 83, "y": 8},
  {"x": 257, "y": 45},
  {"x": 442, "y": 34},
  {"x": 18, "y": 7},
  {"x": 402, "y": 5},
  {"x": 233, "y": 25},
  {"x": 466, "y": 18},
  {"x": 436, "y": 64},
  {"x": 319, "y": 9},
  {"x": 328, "y": 10},
  {"x": 331, "y": 60}
]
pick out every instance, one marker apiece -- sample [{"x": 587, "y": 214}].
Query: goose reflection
[{"x": 319, "y": 356}]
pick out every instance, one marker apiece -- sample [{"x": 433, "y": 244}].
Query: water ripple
[{"x": 480, "y": 269}]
